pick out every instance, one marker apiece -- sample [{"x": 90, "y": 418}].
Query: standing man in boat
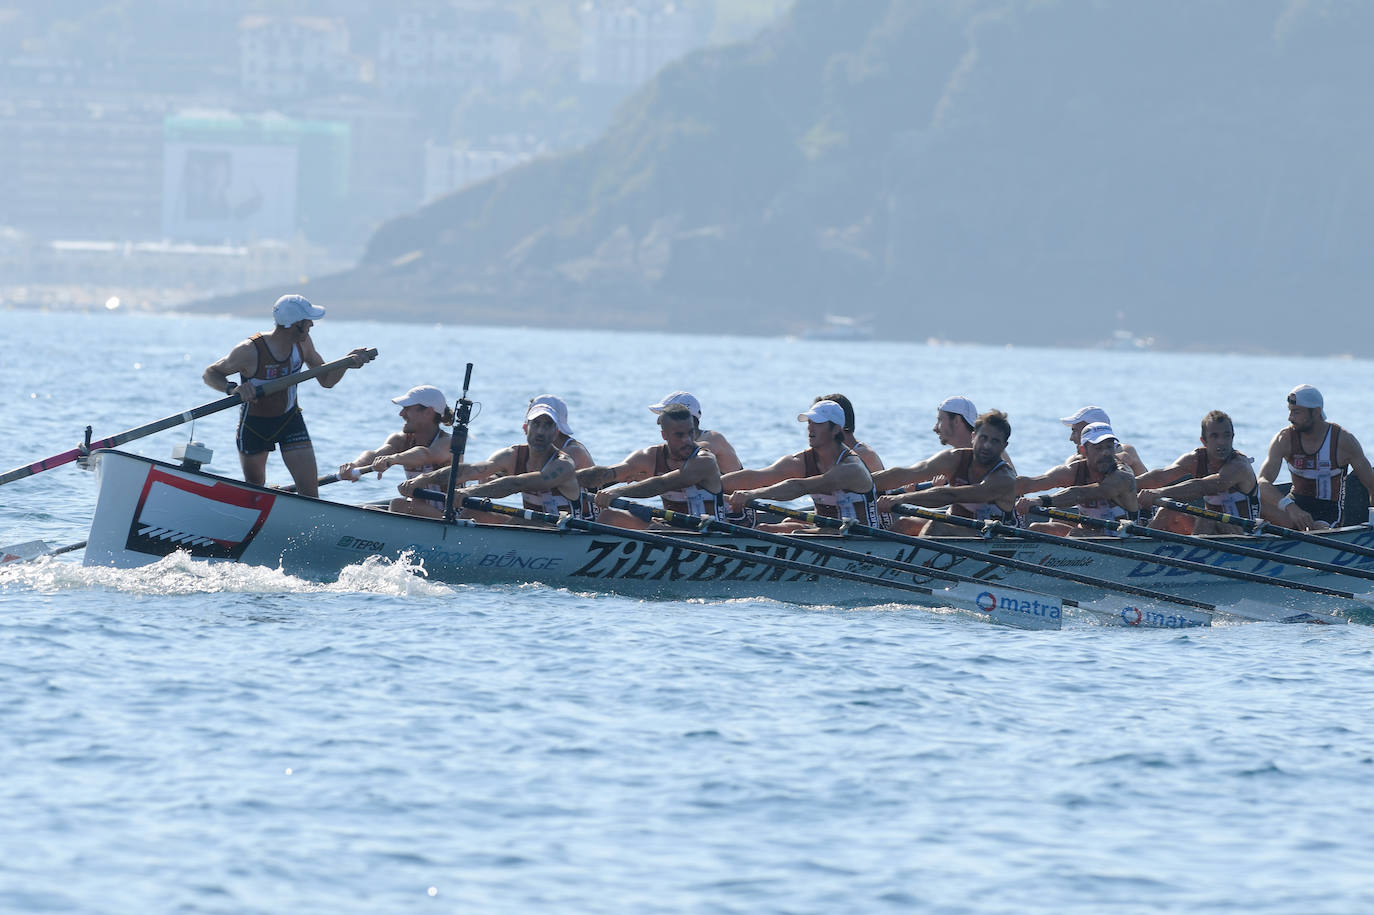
[
  {"x": 1319, "y": 454},
  {"x": 681, "y": 471},
  {"x": 543, "y": 475},
  {"x": 1086, "y": 415},
  {"x": 1097, "y": 483},
  {"x": 828, "y": 471},
  {"x": 1216, "y": 473},
  {"x": 981, "y": 483},
  {"x": 266, "y": 422},
  {"x": 711, "y": 440},
  {"x": 420, "y": 446}
]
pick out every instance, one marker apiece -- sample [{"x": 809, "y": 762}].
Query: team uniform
[
  {"x": 412, "y": 473},
  {"x": 841, "y": 503},
  {"x": 273, "y": 419},
  {"x": 693, "y": 499},
  {"x": 1233, "y": 501},
  {"x": 1102, "y": 509},
  {"x": 980, "y": 511},
  {"x": 544, "y": 500},
  {"x": 1318, "y": 485}
]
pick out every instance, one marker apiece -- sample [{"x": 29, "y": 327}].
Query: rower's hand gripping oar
[
  {"x": 705, "y": 523},
  {"x": 458, "y": 443},
  {"x": 1249, "y": 525},
  {"x": 224, "y": 403}
]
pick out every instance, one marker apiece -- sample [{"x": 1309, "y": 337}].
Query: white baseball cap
[
  {"x": 292, "y": 308},
  {"x": 823, "y": 411},
  {"x": 425, "y": 395},
  {"x": 1304, "y": 395},
  {"x": 1097, "y": 432},
  {"x": 560, "y": 411},
  {"x": 1087, "y": 415},
  {"x": 541, "y": 409},
  {"x": 687, "y": 400},
  {"x": 960, "y": 406}
]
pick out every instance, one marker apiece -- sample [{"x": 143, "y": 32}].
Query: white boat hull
[{"x": 147, "y": 509}]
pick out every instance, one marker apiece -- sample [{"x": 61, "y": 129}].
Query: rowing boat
[{"x": 147, "y": 509}]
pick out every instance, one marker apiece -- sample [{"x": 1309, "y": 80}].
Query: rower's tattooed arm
[{"x": 596, "y": 477}]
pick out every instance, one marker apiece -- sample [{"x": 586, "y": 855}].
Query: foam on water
[{"x": 179, "y": 574}]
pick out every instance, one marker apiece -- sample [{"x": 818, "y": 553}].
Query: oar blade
[
  {"x": 22, "y": 552},
  {"x": 1145, "y": 615},
  {"x": 1022, "y": 609},
  {"x": 1251, "y": 609}
]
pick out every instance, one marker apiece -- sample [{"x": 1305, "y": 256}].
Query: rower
[
  {"x": 1218, "y": 474},
  {"x": 981, "y": 484},
  {"x": 420, "y": 446},
  {"x": 865, "y": 453},
  {"x": 681, "y": 471},
  {"x": 829, "y": 471},
  {"x": 542, "y": 474},
  {"x": 275, "y": 419},
  {"x": 1098, "y": 484},
  {"x": 1086, "y": 415},
  {"x": 710, "y": 439},
  {"x": 564, "y": 441},
  {"x": 1319, "y": 455}
]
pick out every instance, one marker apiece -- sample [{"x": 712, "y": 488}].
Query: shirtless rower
[
  {"x": 829, "y": 471},
  {"x": 275, "y": 419},
  {"x": 419, "y": 447},
  {"x": 1319, "y": 454},
  {"x": 865, "y": 453},
  {"x": 710, "y": 439},
  {"x": 681, "y": 471},
  {"x": 981, "y": 484},
  {"x": 540, "y": 472},
  {"x": 1096, "y": 483},
  {"x": 1086, "y": 415},
  {"x": 1216, "y": 473}
]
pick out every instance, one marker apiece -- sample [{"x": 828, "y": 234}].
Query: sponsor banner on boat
[{"x": 210, "y": 520}]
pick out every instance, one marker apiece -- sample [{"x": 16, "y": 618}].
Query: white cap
[
  {"x": 687, "y": 400},
  {"x": 560, "y": 411},
  {"x": 425, "y": 395},
  {"x": 541, "y": 409},
  {"x": 1097, "y": 432},
  {"x": 960, "y": 406},
  {"x": 1087, "y": 415},
  {"x": 823, "y": 411},
  {"x": 292, "y": 308},
  {"x": 1304, "y": 395}
]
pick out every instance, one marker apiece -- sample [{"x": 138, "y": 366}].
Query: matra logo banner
[{"x": 209, "y": 521}]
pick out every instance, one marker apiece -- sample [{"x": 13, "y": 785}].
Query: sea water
[{"x": 197, "y": 738}]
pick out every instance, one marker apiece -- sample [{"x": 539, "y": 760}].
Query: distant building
[
  {"x": 287, "y": 57},
  {"x": 625, "y": 42},
  {"x": 84, "y": 159},
  {"x": 229, "y": 178},
  {"x": 438, "y": 50},
  {"x": 452, "y": 168}
]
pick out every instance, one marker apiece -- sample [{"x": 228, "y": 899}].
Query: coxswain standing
[{"x": 275, "y": 419}]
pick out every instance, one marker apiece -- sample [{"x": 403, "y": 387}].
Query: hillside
[{"x": 1194, "y": 170}]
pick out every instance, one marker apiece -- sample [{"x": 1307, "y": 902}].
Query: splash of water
[{"x": 179, "y": 574}]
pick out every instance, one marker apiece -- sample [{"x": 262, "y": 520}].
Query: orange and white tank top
[{"x": 841, "y": 503}]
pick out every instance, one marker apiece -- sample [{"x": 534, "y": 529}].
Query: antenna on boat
[{"x": 458, "y": 443}]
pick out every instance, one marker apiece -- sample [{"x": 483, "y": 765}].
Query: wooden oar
[
  {"x": 1249, "y": 608},
  {"x": 1196, "y": 542},
  {"x": 1131, "y": 615},
  {"x": 937, "y": 546},
  {"x": 1264, "y": 527},
  {"x": 224, "y": 403},
  {"x": 985, "y": 602},
  {"x": 35, "y": 549},
  {"x": 1140, "y": 530}
]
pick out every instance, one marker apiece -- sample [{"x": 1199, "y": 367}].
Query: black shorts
[
  {"x": 1328, "y": 510},
  {"x": 263, "y": 433}
]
